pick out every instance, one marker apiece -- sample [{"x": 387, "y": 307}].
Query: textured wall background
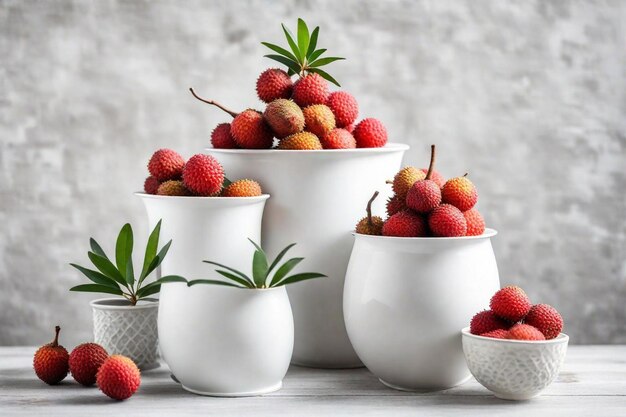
[{"x": 530, "y": 97}]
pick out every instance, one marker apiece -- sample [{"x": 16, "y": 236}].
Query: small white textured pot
[
  {"x": 405, "y": 300},
  {"x": 127, "y": 330},
  {"x": 227, "y": 342},
  {"x": 514, "y": 369},
  {"x": 317, "y": 198}
]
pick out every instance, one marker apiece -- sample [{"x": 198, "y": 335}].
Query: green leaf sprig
[
  {"x": 261, "y": 272},
  {"x": 119, "y": 278},
  {"x": 303, "y": 57}
]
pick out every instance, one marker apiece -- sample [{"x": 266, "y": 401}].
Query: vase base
[
  {"x": 434, "y": 389},
  {"x": 256, "y": 393},
  {"x": 328, "y": 366},
  {"x": 515, "y": 397}
]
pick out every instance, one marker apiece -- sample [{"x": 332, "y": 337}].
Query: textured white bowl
[
  {"x": 317, "y": 198},
  {"x": 405, "y": 300},
  {"x": 514, "y": 369}
]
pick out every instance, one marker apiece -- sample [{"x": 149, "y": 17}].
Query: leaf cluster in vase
[
  {"x": 264, "y": 274},
  {"x": 304, "y": 57},
  {"x": 119, "y": 278}
]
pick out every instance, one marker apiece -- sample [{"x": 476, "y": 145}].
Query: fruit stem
[
  {"x": 465, "y": 175},
  {"x": 432, "y": 162},
  {"x": 369, "y": 208},
  {"x": 55, "y": 342},
  {"x": 214, "y": 103}
]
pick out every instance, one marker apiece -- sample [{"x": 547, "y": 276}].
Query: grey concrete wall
[{"x": 529, "y": 97}]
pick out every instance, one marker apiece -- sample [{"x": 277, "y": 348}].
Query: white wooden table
[{"x": 592, "y": 383}]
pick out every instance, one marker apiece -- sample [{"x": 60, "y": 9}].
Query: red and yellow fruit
[
  {"x": 487, "y": 321},
  {"x": 370, "y": 225},
  {"x": 242, "y": 188},
  {"x": 395, "y": 204},
  {"x": 545, "y": 318},
  {"x": 370, "y": 133},
  {"x": 310, "y": 89},
  {"x": 203, "y": 175},
  {"x": 405, "y": 224},
  {"x": 151, "y": 185},
  {"x": 447, "y": 221},
  {"x": 284, "y": 117},
  {"x": 173, "y": 188},
  {"x": 404, "y": 180},
  {"x": 318, "y": 119},
  {"x": 524, "y": 332},
  {"x": 251, "y": 131},
  {"x": 118, "y": 377},
  {"x": 510, "y": 303},
  {"x": 496, "y": 334},
  {"x": 344, "y": 106},
  {"x": 222, "y": 138},
  {"x": 338, "y": 139},
  {"x": 425, "y": 195},
  {"x": 273, "y": 84},
  {"x": 166, "y": 164},
  {"x": 51, "y": 361},
  {"x": 300, "y": 141},
  {"x": 460, "y": 192},
  {"x": 475, "y": 222},
  {"x": 85, "y": 360}
]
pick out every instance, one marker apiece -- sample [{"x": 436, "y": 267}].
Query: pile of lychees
[
  {"x": 512, "y": 316},
  {"x": 202, "y": 175},
  {"x": 424, "y": 204},
  {"x": 302, "y": 115},
  {"x": 117, "y": 376}
]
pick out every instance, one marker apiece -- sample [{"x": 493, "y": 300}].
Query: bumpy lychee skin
[
  {"x": 545, "y": 318},
  {"x": 350, "y": 128},
  {"x": 370, "y": 225},
  {"x": 300, "y": 141},
  {"x": 318, "y": 119},
  {"x": 524, "y": 332},
  {"x": 284, "y": 117},
  {"x": 496, "y": 334},
  {"x": 243, "y": 188},
  {"x": 436, "y": 176},
  {"x": 166, "y": 164},
  {"x": 487, "y": 321},
  {"x": 447, "y": 221},
  {"x": 273, "y": 84},
  {"x": 424, "y": 196},
  {"x": 510, "y": 303},
  {"x": 460, "y": 192},
  {"x": 405, "y": 224},
  {"x": 118, "y": 377},
  {"x": 370, "y": 133},
  {"x": 85, "y": 360},
  {"x": 404, "y": 180},
  {"x": 203, "y": 175},
  {"x": 395, "y": 205},
  {"x": 344, "y": 106},
  {"x": 338, "y": 139},
  {"x": 475, "y": 222},
  {"x": 222, "y": 138},
  {"x": 251, "y": 131},
  {"x": 151, "y": 185},
  {"x": 310, "y": 89},
  {"x": 173, "y": 188},
  {"x": 51, "y": 361}
]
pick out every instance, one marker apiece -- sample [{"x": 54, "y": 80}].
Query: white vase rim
[
  {"x": 142, "y": 304},
  {"x": 561, "y": 338},
  {"x": 488, "y": 233},
  {"x": 217, "y": 199},
  {"x": 389, "y": 147}
]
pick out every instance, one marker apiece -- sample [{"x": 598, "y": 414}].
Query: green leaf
[
  {"x": 324, "y": 61},
  {"x": 97, "y": 288},
  {"x": 233, "y": 277},
  {"x": 290, "y": 64},
  {"x": 325, "y": 75},
  {"x": 170, "y": 278},
  {"x": 96, "y": 276},
  {"x": 303, "y": 38},
  {"x": 241, "y": 274},
  {"x": 226, "y": 183},
  {"x": 124, "y": 253},
  {"x": 312, "y": 43},
  {"x": 299, "y": 277},
  {"x": 284, "y": 270},
  {"x": 212, "y": 282},
  {"x": 147, "y": 291},
  {"x": 291, "y": 72},
  {"x": 292, "y": 44},
  {"x": 157, "y": 260},
  {"x": 95, "y": 248},
  {"x": 316, "y": 54},
  {"x": 279, "y": 257},
  {"x": 107, "y": 268},
  {"x": 259, "y": 268},
  {"x": 151, "y": 250},
  {"x": 281, "y": 51}
]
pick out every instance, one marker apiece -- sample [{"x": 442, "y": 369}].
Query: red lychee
[
  {"x": 221, "y": 138},
  {"x": 310, "y": 89},
  {"x": 405, "y": 224},
  {"x": 404, "y": 180},
  {"x": 118, "y": 377},
  {"x": 350, "y": 128},
  {"x": 370, "y": 133},
  {"x": 510, "y": 303},
  {"x": 486, "y": 321},
  {"x": 85, "y": 360},
  {"x": 303, "y": 141},
  {"x": 272, "y": 84},
  {"x": 165, "y": 164},
  {"x": 460, "y": 192},
  {"x": 435, "y": 176},
  {"x": 243, "y": 188},
  {"x": 395, "y": 204},
  {"x": 338, "y": 139},
  {"x": 496, "y": 334},
  {"x": 447, "y": 221},
  {"x": 318, "y": 119},
  {"x": 173, "y": 188},
  {"x": 344, "y": 107},
  {"x": 251, "y": 131},
  {"x": 475, "y": 222},
  {"x": 203, "y": 175},
  {"x": 425, "y": 195},
  {"x": 51, "y": 361},
  {"x": 151, "y": 185},
  {"x": 545, "y": 318},
  {"x": 524, "y": 332}
]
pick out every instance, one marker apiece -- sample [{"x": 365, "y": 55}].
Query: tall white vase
[{"x": 317, "y": 198}]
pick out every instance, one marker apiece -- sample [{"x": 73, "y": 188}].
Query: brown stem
[
  {"x": 388, "y": 182},
  {"x": 369, "y": 208},
  {"x": 465, "y": 175},
  {"x": 133, "y": 300},
  {"x": 431, "y": 167},
  {"x": 55, "y": 342},
  {"x": 214, "y": 103}
]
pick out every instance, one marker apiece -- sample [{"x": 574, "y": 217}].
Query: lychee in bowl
[{"x": 514, "y": 369}]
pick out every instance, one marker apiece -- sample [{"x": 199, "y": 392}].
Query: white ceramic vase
[
  {"x": 405, "y": 300},
  {"x": 124, "y": 329},
  {"x": 317, "y": 198}
]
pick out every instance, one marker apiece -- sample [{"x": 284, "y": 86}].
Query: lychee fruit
[
  {"x": 370, "y": 133},
  {"x": 447, "y": 221},
  {"x": 350, "y": 128},
  {"x": 310, "y": 89},
  {"x": 284, "y": 117},
  {"x": 496, "y": 334},
  {"x": 487, "y": 321},
  {"x": 173, "y": 188},
  {"x": 439, "y": 179},
  {"x": 242, "y": 188},
  {"x": 404, "y": 180},
  {"x": 460, "y": 192},
  {"x": 300, "y": 141},
  {"x": 251, "y": 131},
  {"x": 344, "y": 106},
  {"x": 165, "y": 164},
  {"x": 425, "y": 195},
  {"x": 338, "y": 139},
  {"x": 203, "y": 175},
  {"x": 370, "y": 225},
  {"x": 524, "y": 332},
  {"x": 475, "y": 222},
  {"x": 405, "y": 224},
  {"x": 222, "y": 138},
  {"x": 51, "y": 361},
  {"x": 272, "y": 84},
  {"x": 395, "y": 204},
  {"x": 510, "y": 303},
  {"x": 151, "y": 185},
  {"x": 318, "y": 119},
  {"x": 545, "y": 318},
  {"x": 85, "y": 360},
  {"x": 118, "y": 377}
]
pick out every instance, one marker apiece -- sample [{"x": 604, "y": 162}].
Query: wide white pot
[
  {"x": 317, "y": 198},
  {"x": 405, "y": 300}
]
